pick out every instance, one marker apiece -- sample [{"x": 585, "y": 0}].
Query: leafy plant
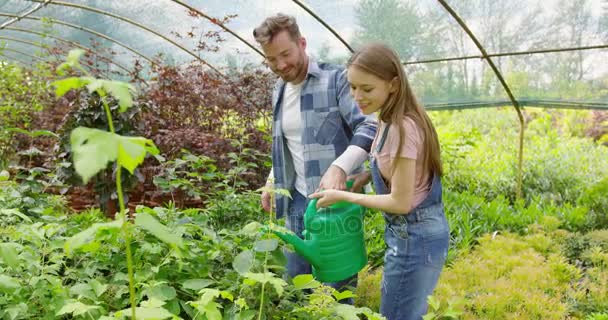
[{"x": 93, "y": 149}]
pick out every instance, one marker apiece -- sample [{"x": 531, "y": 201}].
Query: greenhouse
[{"x": 149, "y": 168}]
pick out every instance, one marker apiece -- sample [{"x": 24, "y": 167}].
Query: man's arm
[{"x": 363, "y": 129}]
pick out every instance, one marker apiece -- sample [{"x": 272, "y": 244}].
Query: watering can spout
[{"x": 305, "y": 248}]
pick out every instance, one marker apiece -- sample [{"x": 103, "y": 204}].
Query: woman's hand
[{"x": 328, "y": 197}]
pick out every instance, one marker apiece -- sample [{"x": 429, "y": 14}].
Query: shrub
[{"x": 506, "y": 278}]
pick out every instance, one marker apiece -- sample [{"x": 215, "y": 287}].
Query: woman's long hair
[{"x": 383, "y": 62}]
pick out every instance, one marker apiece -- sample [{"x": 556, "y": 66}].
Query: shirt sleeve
[{"x": 353, "y": 157}]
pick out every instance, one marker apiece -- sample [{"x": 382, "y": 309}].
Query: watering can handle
[{"x": 312, "y": 205}]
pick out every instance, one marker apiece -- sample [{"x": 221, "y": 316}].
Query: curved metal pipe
[
  {"x": 17, "y": 18},
  {"x": 14, "y": 59},
  {"x": 485, "y": 55},
  {"x": 132, "y": 22},
  {"x": 41, "y": 45},
  {"x": 75, "y": 26},
  {"x": 327, "y": 26},
  {"x": 22, "y": 53},
  {"x": 508, "y": 54},
  {"x": 75, "y": 44}
]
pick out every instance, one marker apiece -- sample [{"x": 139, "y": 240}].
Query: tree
[{"x": 397, "y": 23}]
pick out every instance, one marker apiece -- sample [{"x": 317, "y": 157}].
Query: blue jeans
[
  {"x": 297, "y": 265},
  {"x": 417, "y": 246}
]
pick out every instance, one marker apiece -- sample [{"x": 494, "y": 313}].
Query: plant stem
[
  {"x": 123, "y": 215},
  {"x": 265, "y": 261},
  {"x": 108, "y": 112},
  {"x": 127, "y": 235}
]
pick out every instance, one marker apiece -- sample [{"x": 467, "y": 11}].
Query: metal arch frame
[
  {"x": 46, "y": 46},
  {"x": 23, "y": 53},
  {"x": 505, "y": 86},
  {"x": 17, "y": 17},
  {"x": 76, "y": 44},
  {"x": 221, "y": 25},
  {"x": 327, "y": 26},
  {"x": 132, "y": 22},
  {"x": 14, "y": 59},
  {"x": 79, "y": 27},
  {"x": 509, "y": 54}
]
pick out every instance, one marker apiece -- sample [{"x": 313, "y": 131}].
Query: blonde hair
[
  {"x": 383, "y": 62},
  {"x": 271, "y": 26}
]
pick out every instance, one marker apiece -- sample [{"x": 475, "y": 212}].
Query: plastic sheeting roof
[{"x": 458, "y": 54}]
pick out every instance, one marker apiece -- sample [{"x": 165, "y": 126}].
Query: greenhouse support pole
[
  {"x": 17, "y": 18},
  {"x": 463, "y": 25}
]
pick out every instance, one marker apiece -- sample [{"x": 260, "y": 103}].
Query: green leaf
[
  {"x": 83, "y": 237},
  {"x": 98, "y": 287},
  {"x": 433, "y": 303},
  {"x": 268, "y": 277},
  {"x": 305, "y": 281},
  {"x": 162, "y": 292},
  {"x": 4, "y": 175},
  {"x": 64, "y": 85},
  {"x": 212, "y": 311},
  {"x": 197, "y": 284},
  {"x": 143, "y": 313},
  {"x": 429, "y": 316},
  {"x": 76, "y": 308},
  {"x": 343, "y": 295},
  {"x": 452, "y": 314},
  {"x": 132, "y": 151},
  {"x": 243, "y": 262},
  {"x": 34, "y": 133},
  {"x": 93, "y": 149},
  {"x": 14, "y": 312},
  {"x": 74, "y": 56},
  {"x": 8, "y": 283},
  {"x": 246, "y": 315},
  {"x": 152, "y": 303},
  {"x": 15, "y": 212},
  {"x": 121, "y": 91},
  {"x": 251, "y": 229},
  {"x": 266, "y": 245},
  {"x": 8, "y": 253},
  {"x": 159, "y": 230},
  {"x": 347, "y": 312},
  {"x": 82, "y": 290}
]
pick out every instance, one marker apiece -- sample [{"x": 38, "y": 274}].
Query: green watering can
[{"x": 333, "y": 240}]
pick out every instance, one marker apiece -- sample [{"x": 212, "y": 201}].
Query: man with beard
[{"x": 319, "y": 136}]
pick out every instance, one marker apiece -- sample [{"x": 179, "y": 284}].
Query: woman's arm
[{"x": 399, "y": 201}]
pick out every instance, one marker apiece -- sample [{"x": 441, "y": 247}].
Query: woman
[{"x": 406, "y": 172}]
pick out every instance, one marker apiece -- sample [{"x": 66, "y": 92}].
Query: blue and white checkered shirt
[{"x": 330, "y": 123}]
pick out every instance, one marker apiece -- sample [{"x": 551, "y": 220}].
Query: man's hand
[
  {"x": 266, "y": 203},
  {"x": 334, "y": 178},
  {"x": 359, "y": 181}
]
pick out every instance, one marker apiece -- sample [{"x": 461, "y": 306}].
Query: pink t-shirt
[{"x": 412, "y": 148}]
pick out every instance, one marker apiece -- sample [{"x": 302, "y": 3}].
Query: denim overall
[{"x": 417, "y": 246}]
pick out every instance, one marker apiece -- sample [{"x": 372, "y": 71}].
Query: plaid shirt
[{"x": 330, "y": 123}]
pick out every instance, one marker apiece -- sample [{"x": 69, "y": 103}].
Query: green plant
[
  {"x": 439, "y": 311},
  {"x": 94, "y": 148}
]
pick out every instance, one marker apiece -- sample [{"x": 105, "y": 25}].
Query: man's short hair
[{"x": 271, "y": 26}]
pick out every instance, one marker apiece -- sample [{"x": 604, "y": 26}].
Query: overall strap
[{"x": 382, "y": 139}]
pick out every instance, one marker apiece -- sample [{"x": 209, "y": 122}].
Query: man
[{"x": 319, "y": 136}]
